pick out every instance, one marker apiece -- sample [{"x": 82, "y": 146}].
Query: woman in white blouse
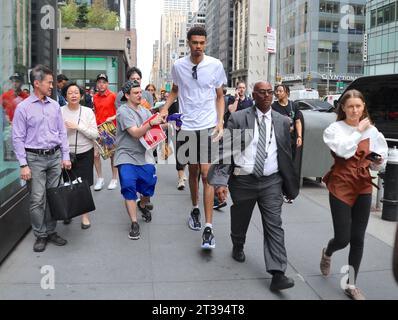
[
  {"x": 82, "y": 130},
  {"x": 353, "y": 140}
]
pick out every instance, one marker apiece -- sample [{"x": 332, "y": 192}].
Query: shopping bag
[
  {"x": 69, "y": 201},
  {"x": 106, "y": 141}
]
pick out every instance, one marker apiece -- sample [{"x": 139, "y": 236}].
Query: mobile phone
[{"x": 374, "y": 157}]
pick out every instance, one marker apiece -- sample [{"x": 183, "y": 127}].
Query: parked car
[
  {"x": 299, "y": 94},
  {"x": 381, "y": 95},
  {"x": 314, "y": 105},
  {"x": 331, "y": 98}
]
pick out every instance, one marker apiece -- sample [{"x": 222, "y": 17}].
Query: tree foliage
[
  {"x": 95, "y": 16},
  {"x": 100, "y": 17},
  {"x": 82, "y": 20},
  {"x": 69, "y": 14}
]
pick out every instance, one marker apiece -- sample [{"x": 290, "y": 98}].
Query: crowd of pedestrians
[{"x": 50, "y": 137}]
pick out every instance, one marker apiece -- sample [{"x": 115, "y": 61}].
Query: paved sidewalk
[{"x": 167, "y": 263}]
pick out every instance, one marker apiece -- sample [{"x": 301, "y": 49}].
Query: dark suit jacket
[{"x": 219, "y": 174}]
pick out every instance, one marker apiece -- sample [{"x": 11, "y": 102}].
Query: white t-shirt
[{"x": 197, "y": 98}]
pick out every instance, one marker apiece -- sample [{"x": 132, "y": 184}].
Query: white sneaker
[
  {"x": 99, "y": 185},
  {"x": 181, "y": 184},
  {"x": 112, "y": 184}
]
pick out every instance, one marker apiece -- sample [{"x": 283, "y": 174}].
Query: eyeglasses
[
  {"x": 195, "y": 72},
  {"x": 265, "y": 92}
]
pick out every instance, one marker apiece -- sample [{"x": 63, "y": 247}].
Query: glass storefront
[
  {"x": 14, "y": 62},
  {"x": 84, "y": 69}
]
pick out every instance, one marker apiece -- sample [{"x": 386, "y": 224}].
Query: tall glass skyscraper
[
  {"x": 381, "y": 38},
  {"x": 320, "y": 42}
]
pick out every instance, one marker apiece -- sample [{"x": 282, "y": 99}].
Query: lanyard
[{"x": 271, "y": 134}]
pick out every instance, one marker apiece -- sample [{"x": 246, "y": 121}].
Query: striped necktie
[{"x": 262, "y": 153}]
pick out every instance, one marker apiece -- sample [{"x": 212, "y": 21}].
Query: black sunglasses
[{"x": 195, "y": 72}]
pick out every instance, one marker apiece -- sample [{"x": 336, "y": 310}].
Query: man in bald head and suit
[{"x": 261, "y": 172}]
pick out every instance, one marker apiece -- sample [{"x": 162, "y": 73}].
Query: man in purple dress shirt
[{"x": 42, "y": 149}]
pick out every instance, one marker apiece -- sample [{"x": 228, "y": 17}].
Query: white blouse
[
  {"x": 87, "y": 128},
  {"x": 343, "y": 140}
]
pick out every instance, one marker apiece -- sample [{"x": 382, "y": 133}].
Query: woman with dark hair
[
  {"x": 288, "y": 108},
  {"x": 82, "y": 130},
  {"x": 356, "y": 147}
]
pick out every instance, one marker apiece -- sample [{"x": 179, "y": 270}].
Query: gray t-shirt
[{"x": 130, "y": 150}]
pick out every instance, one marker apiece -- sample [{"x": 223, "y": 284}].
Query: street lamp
[
  {"x": 60, "y": 5},
  {"x": 329, "y": 75}
]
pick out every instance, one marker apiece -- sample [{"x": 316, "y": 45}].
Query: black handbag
[{"x": 67, "y": 202}]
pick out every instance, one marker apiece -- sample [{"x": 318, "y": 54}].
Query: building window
[
  {"x": 359, "y": 28},
  {"x": 328, "y": 26},
  {"x": 323, "y": 67},
  {"x": 328, "y": 46},
  {"x": 329, "y": 7},
  {"x": 384, "y": 15},
  {"x": 355, "y": 68},
  {"x": 373, "y": 18}
]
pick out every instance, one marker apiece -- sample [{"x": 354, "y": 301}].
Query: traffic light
[{"x": 309, "y": 77}]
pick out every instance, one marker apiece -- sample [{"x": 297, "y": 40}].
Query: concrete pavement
[{"x": 167, "y": 263}]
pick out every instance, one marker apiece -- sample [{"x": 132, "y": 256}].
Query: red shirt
[
  {"x": 9, "y": 102},
  {"x": 104, "y": 106}
]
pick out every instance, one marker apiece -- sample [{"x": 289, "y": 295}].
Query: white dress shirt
[{"x": 247, "y": 158}]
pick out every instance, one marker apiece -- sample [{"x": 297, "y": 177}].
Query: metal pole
[
  {"x": 60, "y": 45},
  {"x": 328, "y": 76}
]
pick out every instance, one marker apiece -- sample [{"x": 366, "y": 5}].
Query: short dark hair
[
  {"x": 133, "y": 70},
  {"x": 127, "y": 88},
  {"x": 62, "y": 77},
  {"x": 284, "y": 86},
  {"x": 71, "y": 84},
  {"x": 39, "y": 73},
  {"x": 196, "y": 31}
]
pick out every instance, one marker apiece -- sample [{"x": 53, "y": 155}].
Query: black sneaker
[
  {"x": 146, "y": 213},
  {"x": 134, "y": 231},
  {"x": 208, "y": 239},
  {"x": 194, "y": 220},
  {"x": 40, "y": 245},
  {"x": 57, "y": 240},
  {"x": 218, "y": 205}
]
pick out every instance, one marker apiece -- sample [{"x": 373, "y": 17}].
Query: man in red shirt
[
  {"x": 10, "y": 99},
  {"x": 105, "y": 111}
]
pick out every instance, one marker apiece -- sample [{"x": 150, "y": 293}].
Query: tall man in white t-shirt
[{"x": 198, "y": 83}]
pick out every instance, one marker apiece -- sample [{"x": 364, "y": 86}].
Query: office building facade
[
  {"x": 320, "y": 43},
  {"x": 381, "y": 39}
]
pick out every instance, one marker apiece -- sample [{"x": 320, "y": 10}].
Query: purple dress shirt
[{"x": 38, "y": 124}]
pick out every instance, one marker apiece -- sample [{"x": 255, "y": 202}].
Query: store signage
[
  {"x": 333, "y": 77},
  {"x": 271, "y": 40},
  {"x": 48, "y": 20},
  {"x": 365, "y": 47}
]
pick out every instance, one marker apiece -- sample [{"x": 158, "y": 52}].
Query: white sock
[
  {"x": 196, "y": 207},
  {"x": 209, "y": 225}
]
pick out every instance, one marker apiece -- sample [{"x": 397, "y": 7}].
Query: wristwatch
[{"x": 23, "y": 166}]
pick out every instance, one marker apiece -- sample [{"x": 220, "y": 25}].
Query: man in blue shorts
[{"x": 137, "y": 171}]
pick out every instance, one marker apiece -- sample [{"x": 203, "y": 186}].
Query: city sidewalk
[{"x": 167, "y": 263}]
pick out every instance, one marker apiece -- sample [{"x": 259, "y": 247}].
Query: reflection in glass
[{"x": 14, "y": 62}]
